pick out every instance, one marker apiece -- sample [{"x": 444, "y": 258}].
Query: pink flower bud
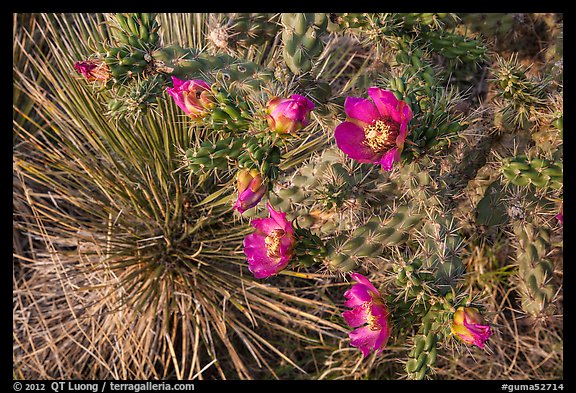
[
  {"x": 469, "y": 326},
  {"x": 288, "y": 115},
  {"x": 560, "y": 216},
  {"x": 93, "y": 70},
  {"x": 251, "y": 189},
  {"x": 193, "y": 96}
]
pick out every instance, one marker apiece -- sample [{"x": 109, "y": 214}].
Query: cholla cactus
[{"x": 230, "y": 173}]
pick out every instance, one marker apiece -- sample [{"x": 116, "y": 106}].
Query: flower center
[
  {"x": 372, "y": 320},
  {"x": 373, "y": 323},
  {"x": 381, "y": 135},
  {"x": 272, "y": 242}
]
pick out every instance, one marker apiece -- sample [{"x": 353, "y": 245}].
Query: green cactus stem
[
  {"x": 539, "y": 172},
  {"x": 241, "y": 31},
  {"x": 535, "y": 272},
  {"x": 136, "y": 30},
  {"x": 302, "y": 41}
]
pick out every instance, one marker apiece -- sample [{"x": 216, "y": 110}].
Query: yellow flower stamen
[
  {"x": 380, "y": 136},
  {"x": 372, "y": 320}
]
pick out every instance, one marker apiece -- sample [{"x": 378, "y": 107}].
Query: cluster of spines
[
  {"x": 396, "y": 21},
  {"x": 539, "y": 172},
  {"x": 456, "y": 46},
  {"x": 535, "y": 272},
  {"x": 242, "y": 31},
  {"x": 347, "y": 250},
  {"x": 416, "y": 297},
  {"x": 520, "y": 98},
  {"x": 208, "y": 155},
  {"x": 491, "y": 25},
  {"x": 235, "y": 152},
  {"x": 422, "y": 356},
  {"x": 138, "y": 30},
  {"x": 321, "y": 191},
  {"x": 414, "y": 80},
  {"x": 141, "y": 67}
]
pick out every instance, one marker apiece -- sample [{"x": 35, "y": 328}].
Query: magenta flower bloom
[
  {"x": 469, "y": 326},
  {"x": 288, "y": 115},
  {"x": 93, "y": 70},
  {"x": 250, "y": 189},
  {"x": 270, "y": 247},
  {"x": 193, "y": 96},
  {"x": 374, "y": 130},
  {"x": 368, "y": 309}
]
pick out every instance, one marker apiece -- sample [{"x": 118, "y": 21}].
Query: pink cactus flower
[
  {"x": 560, "y": 216},
  {"x": 270, "y": 247},
  {"x": 93, "y": 70},
  {"x": 369, "y": 310},
  {"x": 251, "y": 189},
  {"x": 193, "y": 96},
  {"x": 375, "y": 130},
  {"x": 288, "y": 115},
  {"x": 469, "y": 326}
]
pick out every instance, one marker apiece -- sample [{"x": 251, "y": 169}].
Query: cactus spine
[
  {"x": 539, "y": 172},
  {"x": 535, "y": 272}
]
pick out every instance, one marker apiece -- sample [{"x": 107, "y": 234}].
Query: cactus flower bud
[
  {"x": 288, "y": 115},
  {"x": 270, "y": 247},
  {"x": 251, "y": 189},
  {"x": 375, "y": 130},
  {"x": 368, "y": 309},
  {"x": 93, "y": 70},
  {"x": 469, "y": 325},
  {"x": 193, "y": 96}
]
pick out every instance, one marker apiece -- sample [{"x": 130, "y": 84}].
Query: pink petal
[
  {"x": 178, "y": 99},
  {"x": 402, "y": 135},
  {"x": 177, "y": 82},
  {"x": 362, "y": 109},
  {"x": 560, "y": 218},
  {"x": 254, "y": 246},
  {"x": 265, "y": 225},
  {"x": 264, "y": 266},
  {"x": 280, "y": 219},
  {"x": 286, "y": 245},
  {"x": 303, "y": 101},
  {"x": 406, "y": 111},
  {"x": 381, "y": 340},
  {"x": 387, "y": 103},
  {"x": 379, "y": 311},
  {"x": 359, "y": 278},
  {"x": 247, "y": 199},
  {"x": 356, "y": 317},
  {"x": 480, "y": 333},
  {"x": 388, "y": 159},
  {"x": 357, "y": 295},
  {"x": 365, "y": 339},
  {"x": 259, "y": 262},
  {"x": 349, "y": 138},
  {"x": 198, "y": 85}
]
